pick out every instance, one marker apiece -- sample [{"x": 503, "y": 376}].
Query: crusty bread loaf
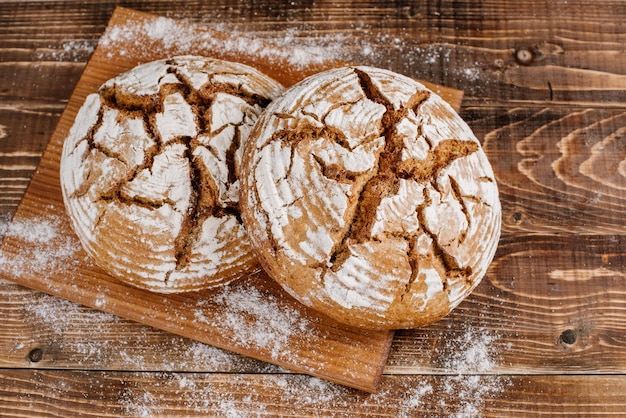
[
  {"x": 368, "y": 198},
  {"x": 149, "y": 172}
]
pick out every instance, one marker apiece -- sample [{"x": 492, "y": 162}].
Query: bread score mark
[
  {"x": 204, "y": 198},
  {"x": 392, "y": 168}
]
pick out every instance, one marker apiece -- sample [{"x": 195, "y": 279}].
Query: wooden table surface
[{"x": 543, "y": 334}]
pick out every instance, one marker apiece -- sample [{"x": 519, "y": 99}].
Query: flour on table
[
  {"x": 61, "y": 318},
  {"x": 176, "y": 37},
  {"x": 461, "y": 391},
  {"x": 300, "y": 44},
  {"x": 140, "y": 405},
  {"x": 69, "y": 50},
  {"x": 472, "y": 360},
  {"x": 66, "y": 324},
  {"x": 59, "y": 315}
]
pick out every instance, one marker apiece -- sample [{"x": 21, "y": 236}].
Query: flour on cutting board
[
  {"x": 47, "y": 248},
  {"x": 254, "y": 319},
  {"x": 66, "y": 323},
  {"x": 177, "y": 37}
]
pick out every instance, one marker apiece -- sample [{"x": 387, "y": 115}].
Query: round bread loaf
[
  {"x": 149, "y": 172},
  {"x": 368, "y": 199}
]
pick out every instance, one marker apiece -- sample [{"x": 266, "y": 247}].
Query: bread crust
[
  {"x": 149, "y": 172},
  {"x": 369, "y": 199}
]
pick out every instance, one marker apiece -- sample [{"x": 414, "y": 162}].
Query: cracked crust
[
  {"x": 369, "y": 199},
  {"x": 150, "y": 170}
]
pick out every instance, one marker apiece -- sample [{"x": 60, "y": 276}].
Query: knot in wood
[{"x": 524, "y": 56}]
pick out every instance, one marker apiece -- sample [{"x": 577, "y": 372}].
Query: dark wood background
[{"x": 545, "y": 92}]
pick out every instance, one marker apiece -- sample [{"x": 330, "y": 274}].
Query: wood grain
[
  {"x": 465, "y": 46},
  {"x": 559, "y": 170},
  {"x": 72, "y": 336},
  {"x": 168, "y": 394},
  {"x": 471, "y": 48}
]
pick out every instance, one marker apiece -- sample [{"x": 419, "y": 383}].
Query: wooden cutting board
[{"x": 251, "y": 316}]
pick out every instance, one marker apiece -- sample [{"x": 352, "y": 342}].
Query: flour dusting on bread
[
  {"x": 368, "y": 198},
  {"x": 150, "y": 168}
]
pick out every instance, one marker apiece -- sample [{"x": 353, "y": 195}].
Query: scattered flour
[
  {"x": 471, "y": 73},
  {"x": 461, "y": 391},
  {"x": 249, "y": 314},
  {"x": 66, "y": 323},
  {"x": 58, "y": 315},
  {"x": 434, "y": 53},
  {"x": 176, "y": 37},
  {"x": 140, "y": 405},
  {"x": 297, "y": 44},
  {"x": 254, "y": 319},
  {"x": 68, "y": 50},
  {"x": 46, "y": 247},
  {"x": 4, "y": 223},
  {"x": 472, "y": 359},
  {"x": 468, "y": 362},
  {"x": 61, "y": 318}
]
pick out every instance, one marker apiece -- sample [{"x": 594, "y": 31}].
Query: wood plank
[
  {"x": 468, "y": 48},
  {"x": 549, "y": 304},
  {"x": 47, "y": 84},
  {"x": 104, "y": 394},
  {"x": 559, "y": 170}
]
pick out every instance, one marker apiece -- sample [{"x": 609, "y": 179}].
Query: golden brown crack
[
  {"x": 414, "y": 262},
  {"x": 446, "y": 261},
  {"x": 206, "y": 94},
  {"x": 392, "y": 168},
  {"x": 437, "y": 159},
  {"x": 456, "y": 190},
  {"x": 336, "y": 172},
  {"x": 126, "y": 199},
  {"x": 203, "y": 197},
  {"x": 384, "y": 183},
  {"x": 115, "y": 98},
  {"x": 231, "y": 156},
  {"x": 306, "y": 131}
]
